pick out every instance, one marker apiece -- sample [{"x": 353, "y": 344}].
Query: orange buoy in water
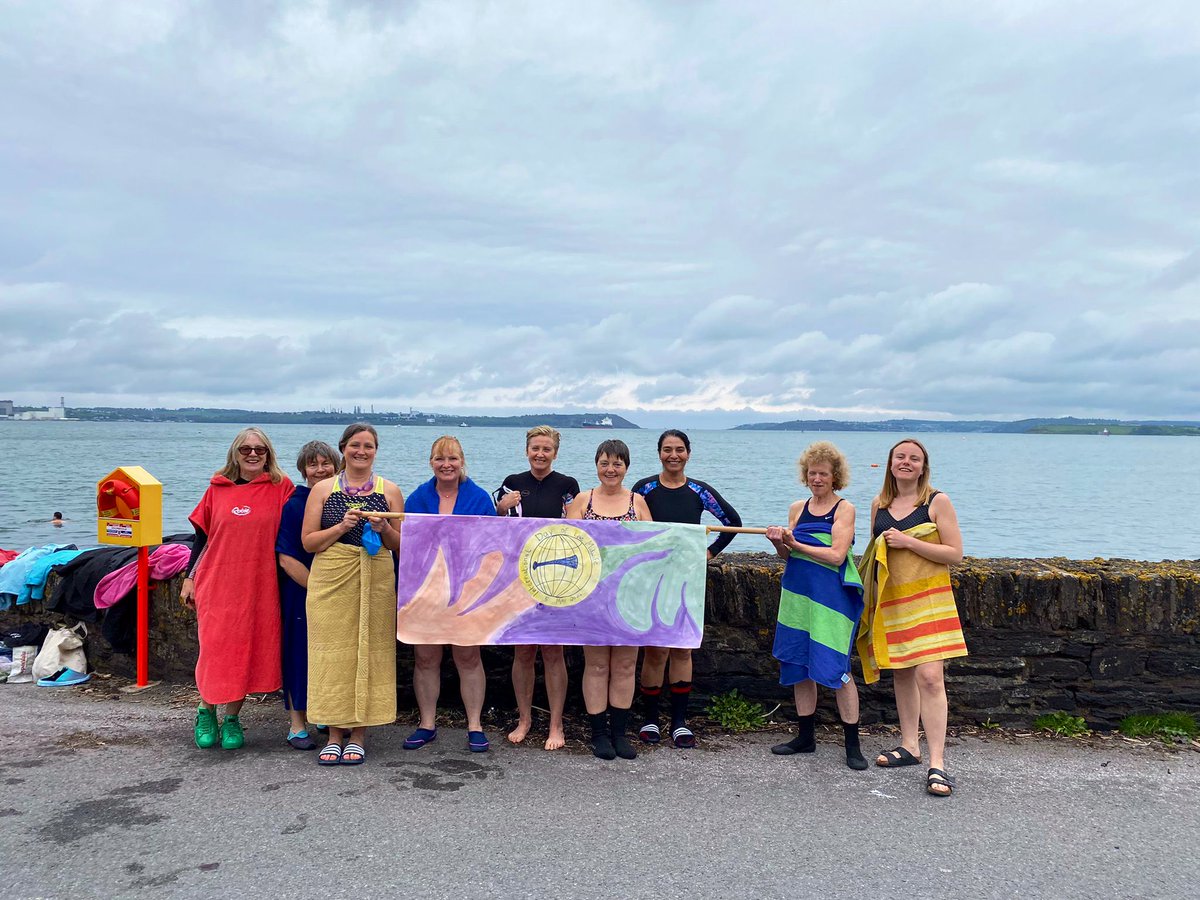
[{"x": 874, "y": 465}]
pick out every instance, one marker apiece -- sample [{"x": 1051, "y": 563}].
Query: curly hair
[{"x": 825, "y": 452}]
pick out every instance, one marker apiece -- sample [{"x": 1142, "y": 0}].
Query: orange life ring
[{"x": 118, "y": 499}]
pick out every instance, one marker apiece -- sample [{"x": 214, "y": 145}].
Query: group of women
[{"x": 312, "y": 570}]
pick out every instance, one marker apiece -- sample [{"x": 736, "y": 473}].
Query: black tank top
[
  {"x": 806, "y": 516},
  {"x": 919, "y": 516}
]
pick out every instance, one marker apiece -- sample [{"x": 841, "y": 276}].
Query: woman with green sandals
[{"x": 232, "y": 584}]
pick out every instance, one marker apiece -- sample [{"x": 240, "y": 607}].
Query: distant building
[
  {"x": 6, "y": 409},
  {"x": 51, "y": 413}
]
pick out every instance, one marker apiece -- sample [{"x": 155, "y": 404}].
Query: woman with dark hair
[
  {"x": 608, "y": 675},
  {"x": 315, "y": 462},
  {"x": 539, "y": 493},
  {"x": 820, "y": 600},
  {"x": 449, "y": 493},
  {"x": 911, "y": 622},
  {"x": 672, "y": 496},
  {"x": 232, "y": 584},
  {"x": 352, "y": 599}
]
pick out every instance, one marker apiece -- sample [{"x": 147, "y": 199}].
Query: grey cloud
[{"x": 807, "y": 209}]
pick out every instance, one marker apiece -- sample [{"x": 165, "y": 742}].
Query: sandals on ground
[
  {"x": 649, "y": 733},
  {"x": 353, "y": 750},
  {"x": 938, "y": 778},
  {"x": 896, "y": 758},
  {"x": 683, "y": 738},
  {"x": 330, "y": 756}
]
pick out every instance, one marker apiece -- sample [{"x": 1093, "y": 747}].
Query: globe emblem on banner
[{"x": 559, "y": 565}]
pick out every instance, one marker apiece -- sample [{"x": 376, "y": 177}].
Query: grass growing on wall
[
  {"x": 1062, "y": 724},
  {"x": 1166, "y": 727}
]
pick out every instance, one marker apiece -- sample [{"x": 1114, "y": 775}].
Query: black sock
[
  {"x": 803, "y": 742},
  {"x": 602, "y": 745},
  {"x": 619, "y": 719},
  {"x": 854, "y": 757},
  {"x": 650, "y": 698},
  {"x": 680, "y": 692}
]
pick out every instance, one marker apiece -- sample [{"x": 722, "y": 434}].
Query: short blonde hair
[
  {"x": 543, "y": 431},
  {"x": 233, "y": 471},
  {"x": 825, "y": 452},
  {"x": 450, "y": 442}
]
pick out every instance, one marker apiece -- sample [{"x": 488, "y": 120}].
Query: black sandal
[
  {"x": 938, "y": 778},
  {"x": 896, "y": 758}
]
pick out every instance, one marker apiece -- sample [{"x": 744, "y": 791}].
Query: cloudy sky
[{"x": 704, "y": 213}]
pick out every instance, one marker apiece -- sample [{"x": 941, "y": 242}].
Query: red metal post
[{"x": 143, "y": 617}]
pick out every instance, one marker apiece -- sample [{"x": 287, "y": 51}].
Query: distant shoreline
[
  {"x": 613, "y": 422},
  {"x": 203, "y": 416}
]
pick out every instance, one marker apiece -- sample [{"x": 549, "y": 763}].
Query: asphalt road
[{"x": 109, "y": 798}]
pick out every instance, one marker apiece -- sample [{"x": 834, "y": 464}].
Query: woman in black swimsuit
[{"x": 608, "y": 675}]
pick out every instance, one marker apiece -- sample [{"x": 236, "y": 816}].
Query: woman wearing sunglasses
[{"x": 231, "y": 582}]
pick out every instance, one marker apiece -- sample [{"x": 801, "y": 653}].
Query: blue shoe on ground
[
  {"x": 64, "y": 678},
  {"x": 300, "y": 740},
  {"x": 477, "y": 742},
  {"x": 420, "y": 738}
]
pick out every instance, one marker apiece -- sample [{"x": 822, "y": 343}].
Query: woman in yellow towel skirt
[
  {"x": 352, "y": 599},
  {"x": 910, "y": 623}
]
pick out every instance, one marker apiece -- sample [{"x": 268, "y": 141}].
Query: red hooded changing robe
[{"x": 237, "y": 591}]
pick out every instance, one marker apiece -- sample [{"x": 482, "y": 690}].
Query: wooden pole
[{"x": 730, "y": 529}]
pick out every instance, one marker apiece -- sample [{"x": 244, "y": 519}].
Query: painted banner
[{"x": 489, "y": 580}]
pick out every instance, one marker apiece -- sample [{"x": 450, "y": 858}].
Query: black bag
[{"x": 31, "y": 634}]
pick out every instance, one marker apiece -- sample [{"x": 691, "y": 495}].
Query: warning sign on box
[{"x": 116, "y": 529}]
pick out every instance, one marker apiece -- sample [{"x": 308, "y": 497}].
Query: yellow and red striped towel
[{"x": 909, "y": 617}]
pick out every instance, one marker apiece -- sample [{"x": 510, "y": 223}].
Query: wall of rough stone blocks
[{"x": 1099, "y": 638}]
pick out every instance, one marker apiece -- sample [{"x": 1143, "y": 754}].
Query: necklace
[{"x": 350, "y": 491}]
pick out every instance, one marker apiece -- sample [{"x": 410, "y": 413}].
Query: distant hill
[
  {"x": 321, "y": 417},
  {"x": 1064, "y": 425}
]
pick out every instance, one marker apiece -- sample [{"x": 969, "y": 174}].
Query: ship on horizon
[{"x": 606, "y": 422}]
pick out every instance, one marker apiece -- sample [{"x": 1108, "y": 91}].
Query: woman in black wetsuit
[
  {"x": 673, "y": 497},
  {"x": 608, "y": 674},
  {"x": 539, "y": 493}
]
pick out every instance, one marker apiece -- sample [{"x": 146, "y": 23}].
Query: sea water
[{"x": 1078, "y": 496}]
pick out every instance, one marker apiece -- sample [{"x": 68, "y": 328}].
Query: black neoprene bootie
[
  {"x": 618, "y": 723},
  {"x": 803, "y": 742},
  {"x": 854, "y": 757},
  {"x": 602, "y": 745}
]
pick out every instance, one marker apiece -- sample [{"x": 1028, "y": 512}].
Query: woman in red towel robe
[{"x": 233, "y": 586}]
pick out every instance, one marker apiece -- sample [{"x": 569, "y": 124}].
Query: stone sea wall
[{"x": 1098, "y": 638}]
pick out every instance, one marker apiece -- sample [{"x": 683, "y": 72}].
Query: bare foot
[
  {"x": 518, "y": 734},
  {"x": 556, "y": 739}
]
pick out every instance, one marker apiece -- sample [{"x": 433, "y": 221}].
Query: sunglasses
[{"x": 247, "y": 450}]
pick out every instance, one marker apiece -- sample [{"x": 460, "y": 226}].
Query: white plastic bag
[
  {"x": 62, "y": 649},
  {"x": 22, "y": 665}
]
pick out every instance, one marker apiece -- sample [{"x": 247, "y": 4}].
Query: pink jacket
[{"x": 165, "y": 561}]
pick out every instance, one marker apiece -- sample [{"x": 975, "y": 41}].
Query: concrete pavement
[{"x": 110, "y": 798}]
